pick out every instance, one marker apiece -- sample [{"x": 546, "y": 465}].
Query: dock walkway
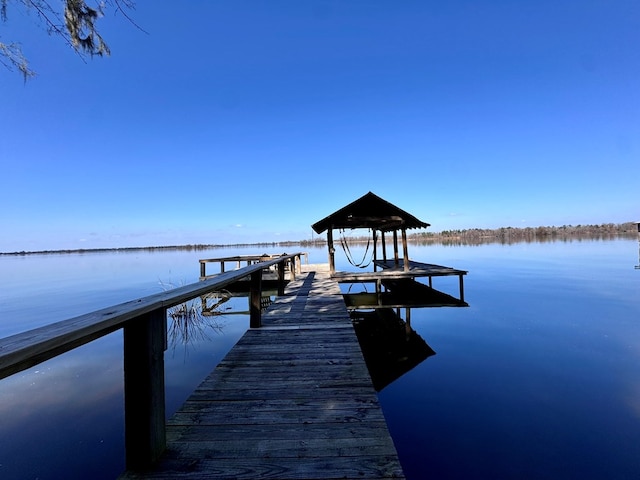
[{"x": 291, "y": 400}]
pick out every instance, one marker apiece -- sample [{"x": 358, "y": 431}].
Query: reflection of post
[{"x": 407, "y": 322}]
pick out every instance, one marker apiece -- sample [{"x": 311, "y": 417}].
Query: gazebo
[{"x": 371, "y": 212}]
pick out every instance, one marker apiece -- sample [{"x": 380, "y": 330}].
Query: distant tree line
[
  {"x": 189, "y": 247},
  {"x": 477, "y": 236},
  {"x": 473, "y": 236},
  {"x": 506, "y": 235}
]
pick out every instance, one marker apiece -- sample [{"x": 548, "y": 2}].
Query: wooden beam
[
  {"x": 292, "y": 268},
  {"x": 375, "y": 249},
  {"x": 384, "y": 247},
  {"x": 396, "y": 260},
  {"x": 281, "y": 282},
  {"x": 405, "y": 250},
  {"x": 27, "y": 349},
  {"x": 255, "y": 294},
  {"x": 145, "y": 340},
  {"x": 332, "y": 251}
]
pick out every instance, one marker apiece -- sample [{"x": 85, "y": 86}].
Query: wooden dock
[{"x": 292, "y": 400}]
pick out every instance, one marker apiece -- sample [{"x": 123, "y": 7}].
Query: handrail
[
  {"x": 246, "y": 258},
  {"x": 24, "y": 350},
  {"x": 144, "y": 324}
]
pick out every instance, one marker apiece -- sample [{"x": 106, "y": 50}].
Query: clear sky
[{"x": 245, "y": 121}]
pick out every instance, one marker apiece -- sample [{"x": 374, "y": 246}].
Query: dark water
[{"x": 539, "y": 378}]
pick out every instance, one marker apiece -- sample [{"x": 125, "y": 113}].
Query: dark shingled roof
[{"x": 369, "y": 211}]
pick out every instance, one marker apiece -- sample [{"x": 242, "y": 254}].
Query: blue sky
[{"x": 244, "y": 121}]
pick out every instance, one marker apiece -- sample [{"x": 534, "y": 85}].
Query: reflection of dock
[
  {"x": 292, "y": 399},
  {"x": 390, "y": 346},
  {"x": 404, "y": 290}
]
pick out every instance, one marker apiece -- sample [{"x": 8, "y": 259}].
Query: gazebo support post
[
  {"x": 384, "y": 247},
  {"x": 375, "y": 249},
  {"x": 332, "y": 251},
  {"x": 405, "y": 250},
  {"x": 395, "y": 248}
]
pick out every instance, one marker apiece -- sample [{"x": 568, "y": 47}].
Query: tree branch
[{"x": 76, "y": 25}]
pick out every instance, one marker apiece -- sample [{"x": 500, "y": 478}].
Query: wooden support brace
[
  {"x": 405, "y": 250},
  {"x": 396, "y": 260},
  {"x": 375, "y": 249},
  {"x": 281, "y": 278},
  {"x": 292, "y": 268},
  {"x": 332, "y": 258},
  {"x": 255, "y": 312},
  {"x": 145, "y": 340},
  {"x": 384, "y": 247}
]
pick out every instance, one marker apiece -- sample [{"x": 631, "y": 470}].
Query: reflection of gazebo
[
  {"x": 390, "y": 346},
  {"x": 371, "y": 211}
]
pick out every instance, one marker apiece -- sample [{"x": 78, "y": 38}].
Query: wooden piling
[{"x": 145, "y": 340}]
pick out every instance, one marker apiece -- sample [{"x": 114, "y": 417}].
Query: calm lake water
[{"x": 538, "y": 378}]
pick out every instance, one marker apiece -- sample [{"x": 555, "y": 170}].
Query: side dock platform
[{"x": 291, "y": 400}]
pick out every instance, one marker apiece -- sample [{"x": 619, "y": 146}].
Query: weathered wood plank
[
  {"x": 336, "y": 403},
  {"x": 291, "y": 400},
  {"x": 343, "y": 467},
  {"x": 282, "y": 447},
  {"x": 243, "y": 416}
]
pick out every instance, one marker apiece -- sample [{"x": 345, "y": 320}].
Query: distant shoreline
[
  {"x": 472, "y": 236},
  {"x": 188, "y": 247}
]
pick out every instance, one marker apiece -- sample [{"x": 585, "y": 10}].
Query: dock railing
[
  {"x": 251, "y": 259},
  {"x": 144, "y": 325}
]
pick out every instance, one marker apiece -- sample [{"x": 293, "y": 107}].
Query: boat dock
[{"x": 293, "y": 399}]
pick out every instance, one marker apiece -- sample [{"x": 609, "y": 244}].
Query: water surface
[{"x": 538, "y": 378}]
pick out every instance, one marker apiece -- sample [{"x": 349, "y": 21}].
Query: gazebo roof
[{"x": 369, "y": 211}]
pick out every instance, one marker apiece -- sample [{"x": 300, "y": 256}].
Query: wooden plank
[
  {"x": 291, "y": 400},
  {"x": 283, "y": 447},
  {"x": 205, "y": 467},
  {"x": 423, "y": 268}
]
